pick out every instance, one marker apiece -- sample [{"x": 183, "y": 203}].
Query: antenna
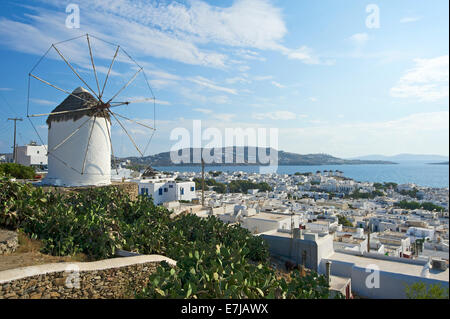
[
  {"x": 15, "y": 119},
  {"x": 292, "y": 233}
]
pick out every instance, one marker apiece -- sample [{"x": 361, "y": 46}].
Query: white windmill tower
[{"x": 79, "y": 128}]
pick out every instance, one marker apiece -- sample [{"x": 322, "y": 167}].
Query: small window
[
  {"x": 182, "y": 191},
  {"x": 160, "y": 191},
  {"x": 170, "y": 186},
  {"x": 165, "y": 190},
  {"x": 192, "y": 188}
]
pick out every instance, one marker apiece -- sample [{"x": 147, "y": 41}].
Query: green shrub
[
  {"x": 421, "y": 291},
  {"x": 17, "y": 171},
  {"x": 214, "y": 260}
]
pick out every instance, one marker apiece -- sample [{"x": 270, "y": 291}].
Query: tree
[
  {"x": 419, "y": 290},
  {"x": 344, "y": 221}
]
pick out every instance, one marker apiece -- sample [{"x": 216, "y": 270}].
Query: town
[{"x": 321, "y": 218}]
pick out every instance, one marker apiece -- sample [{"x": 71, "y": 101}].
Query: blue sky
[{"x": 312, "y": 69}]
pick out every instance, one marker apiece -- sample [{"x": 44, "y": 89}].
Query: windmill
[{"x": 80, "y": 147}]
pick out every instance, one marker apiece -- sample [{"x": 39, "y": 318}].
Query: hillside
[
  {"x": 284, "y": 158},
  {"x": 405, "y": 157}
]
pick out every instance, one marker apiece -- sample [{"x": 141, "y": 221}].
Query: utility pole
[
  {"x": 15, "y": 119},
  {"x": 368, "y": 237},
  {"x": 203, "y": 182}
]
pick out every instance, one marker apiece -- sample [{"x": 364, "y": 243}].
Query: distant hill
[
  {"x": 441, "y": 163},
  {"x": 284, "y": 158},
  {"x": 405, "y": 157}
]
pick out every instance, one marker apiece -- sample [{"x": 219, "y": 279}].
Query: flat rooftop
[
  {"x": 339, "y": 283},
  {"x": 287, "y": 234},
  {"x": 270, "y": 216},
  {"x": 390, "y": 266}
]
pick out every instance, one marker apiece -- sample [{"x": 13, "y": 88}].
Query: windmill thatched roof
[{"x": 72, "y": 103}]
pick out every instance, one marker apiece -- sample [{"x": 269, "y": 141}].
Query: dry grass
[
  {"x": 28, "y": 254},
  {"x": 27, "y": 245}
]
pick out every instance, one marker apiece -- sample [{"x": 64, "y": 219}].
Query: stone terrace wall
[
  {"x": 111, "y": 278},
  {"x": 8, "y": 241}
]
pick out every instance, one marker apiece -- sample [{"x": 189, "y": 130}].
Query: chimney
[{"x": 328, "y": 271}]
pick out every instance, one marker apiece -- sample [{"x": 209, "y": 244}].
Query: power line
[{"x": 9, "y": 105}]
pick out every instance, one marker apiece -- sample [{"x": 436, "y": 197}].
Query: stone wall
[
  {"x": 111, "y": 278},
  {"x": 130, "y": 188},
  {"x": 8, "y": 241}
]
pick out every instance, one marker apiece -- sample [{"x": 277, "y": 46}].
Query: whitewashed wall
[{"x": 98, "y": 159}]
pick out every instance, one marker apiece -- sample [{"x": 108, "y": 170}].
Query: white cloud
[
  {"x": 359, "y": 39},
  {"x": 427, "y": 132},
  {"x": 426, "y": 81},
  {"x": 199, "y": 98},
  {"x": 278, "y": 85},
  {"x": 409, "y": 19},
  {"x": 304, "y": 54},
  {"x": 250, "y": 55},
  {"x": 176, "y": 31},
  {"x": 238, "y": 79},
  {"x": 313, "y": 99},
  {"x": 211, "y": 85},
  {"x": 263, "y": 78},
  {"x": 44, "y": 102},
  {"x": 226, "y": 117},
  {"x": 204, "y": 111},
  {"x": 276, "y": 115}
]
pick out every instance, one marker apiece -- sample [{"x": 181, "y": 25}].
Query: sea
[{"x": 419, "y": 173}]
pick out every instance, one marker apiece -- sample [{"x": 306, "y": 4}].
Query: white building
[
  {"x": 32, "y": 155},
  {"x": 167, "y": 190},
  {"x": 301, "y": 247},
  {"x": 264, "y": 222}
]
